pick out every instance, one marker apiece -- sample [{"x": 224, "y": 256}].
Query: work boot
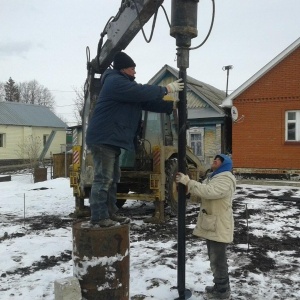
[
  {"x": 213, "y": 294},
  {"x": 107, "y": 223},
  {"x": 89, "y": 224},
  {"x": 120, "y": 219}
]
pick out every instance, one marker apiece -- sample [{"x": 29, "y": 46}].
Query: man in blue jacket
[{"x": 113, "y": 126}]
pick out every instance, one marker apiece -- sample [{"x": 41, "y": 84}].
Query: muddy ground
[{"x": 277, "y": 207}]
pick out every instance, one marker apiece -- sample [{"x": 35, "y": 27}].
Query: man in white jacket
[{"x": 215, "y": 220}]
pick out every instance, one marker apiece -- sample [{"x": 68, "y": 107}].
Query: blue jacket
[{"x": 117, "y": 113}]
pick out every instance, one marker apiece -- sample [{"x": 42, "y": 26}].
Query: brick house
[{"x": 266, "y": 118}]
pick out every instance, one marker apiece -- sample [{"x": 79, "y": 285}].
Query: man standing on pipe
[
  {"x": 215, "y": 220},
  {"x": 113, "y": 127}
]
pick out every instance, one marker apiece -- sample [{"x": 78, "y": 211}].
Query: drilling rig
[{"x": 148, "y": 174}]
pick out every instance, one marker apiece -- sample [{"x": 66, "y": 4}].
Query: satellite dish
[{"x": 234, "y": 113}]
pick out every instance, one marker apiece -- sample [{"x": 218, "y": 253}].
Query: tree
[
  {"x": 12, "y": 92},
  {"x": 2, "y": 92},
  {"x": 30, "y": 149},
  {"x": 79, "y": 103},
  {"x": 34, "y": 93}
]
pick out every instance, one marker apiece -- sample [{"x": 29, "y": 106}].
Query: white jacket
[{"x": 215, "y": 220}]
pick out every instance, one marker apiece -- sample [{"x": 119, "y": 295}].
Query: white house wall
[
  {"x": 212, "y": 142},
  {"x": 58, "y": 144},
  {"x": 17, "y": 135}
]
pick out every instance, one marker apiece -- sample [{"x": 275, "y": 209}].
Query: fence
[{"x": 60, "y": 168}]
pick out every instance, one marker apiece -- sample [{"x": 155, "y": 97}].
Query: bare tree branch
[
  {"x": 34, "y": 93},
  {"x": 79, "y": 102}
]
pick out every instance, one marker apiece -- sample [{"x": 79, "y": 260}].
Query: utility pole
[
  {"x": 227, "y": 68},
  {"x": 183, "y": 29}
]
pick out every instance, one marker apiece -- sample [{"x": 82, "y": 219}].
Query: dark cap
[{"x": 123, "y": 61}]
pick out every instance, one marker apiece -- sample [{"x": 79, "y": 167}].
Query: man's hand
[
  {"x": 175, "y": 86},
  {"x": 181, "y": 178}
]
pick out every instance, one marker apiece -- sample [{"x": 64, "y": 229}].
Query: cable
[
  {"x": 103, "y": 33},
  {"x": 65, "y": 105},
  {"x": 166, "y": 15},
  {"x": 60, "y": 91},
  {"x": 86, "y": 84},
  {"x": 209, "y": 32},
  {"x": 153, "y": 23},
  {"x": 239, "y": 120},
  {"x": 210, "y": 29}
]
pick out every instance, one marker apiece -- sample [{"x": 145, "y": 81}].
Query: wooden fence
[{"x": 60, "y": 169}]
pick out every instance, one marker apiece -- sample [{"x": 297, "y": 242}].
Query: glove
[
  {"x": 175, "y": 86},
  {"x": 181, "y": 178}
]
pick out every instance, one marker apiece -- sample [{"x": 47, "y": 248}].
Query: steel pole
[
  {"x": 182, "y": 118},
  {"x": 227, "y": 68},
  {"x": 227, "y": 82},
  {"x": 183, "y": 63},
  {"x": 183, "y": 29}
]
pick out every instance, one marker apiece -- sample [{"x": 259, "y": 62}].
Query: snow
[{"x": 153, "y": 264}]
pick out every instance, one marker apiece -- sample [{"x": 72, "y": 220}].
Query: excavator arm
[
  {"x": 120, "y": 31},
  {"x": 132, "y": 16}
]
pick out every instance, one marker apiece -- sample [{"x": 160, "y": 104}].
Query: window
[
  {"x": 2, "y": 139},
  {"x": 195, "y": 138},
  {"x": 292, "y": 126},
  {"x": 152, "y": 128},
  {"x": 45, "y": 139}
]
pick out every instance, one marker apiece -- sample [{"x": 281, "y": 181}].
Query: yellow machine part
[
  {"x": 76, "y": 157},
  {"x": 74, "y": 171},
  {"x": 156, "y": 158}
]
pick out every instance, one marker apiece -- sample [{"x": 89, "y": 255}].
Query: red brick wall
[{"x": 258, "y": 139}]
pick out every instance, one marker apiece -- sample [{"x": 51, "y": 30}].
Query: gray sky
[{"x": 46, "y": 40}]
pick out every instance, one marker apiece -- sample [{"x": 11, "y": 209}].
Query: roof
[
  {"x": 207, "y": 112},
  {"x": 228, "y": 101},
  {"x": 211, "y": 97},
  {"x": 21, "y": 114}
]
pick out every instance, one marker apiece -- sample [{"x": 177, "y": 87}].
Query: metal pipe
[
  {"x": 181, "y": 189},
  {"x": 227, "y": 68},
  {"x": 183, "y": 29},
  {"x": 101, "y": 261}
]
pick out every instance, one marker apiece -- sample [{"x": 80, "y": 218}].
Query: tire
[
  {"x": 120, "y": 203},
  {"x": 171, "y": 194}
]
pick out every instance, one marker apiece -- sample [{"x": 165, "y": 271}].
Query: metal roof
[
  {"x": 21, "y": 114},
  {"x": 228, "y": 101},
  {"x": 206, "y": 112},
  {"x": 199, "y": 94}
]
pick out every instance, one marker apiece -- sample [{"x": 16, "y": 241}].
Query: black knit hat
[{"x": 123, "y": 61}]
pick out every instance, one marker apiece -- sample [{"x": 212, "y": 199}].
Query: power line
[
  {"x": 61, "y": 91},
  {"x": 65, "y": 105}
]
